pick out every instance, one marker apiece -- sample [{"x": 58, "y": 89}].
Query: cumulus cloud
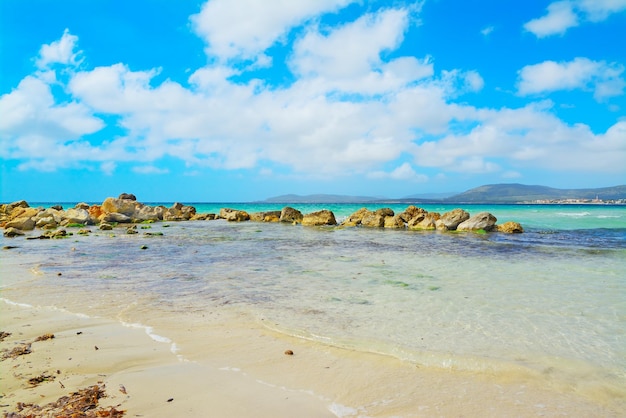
[
  {"x": 150, "y": 169},
  {"x": 581, "y": 73},
  {"x": 350, "y": 110},
  {"x": 529, "y": 137},
  {"x": 559, "y": 18},
  {"x": 59, "y": 52},
  {"x": 244, "y": 29},
  {"x": 402, "y": 172},
  {"x": 565, "y": 14},
  {"x": 351, "y": 50}
]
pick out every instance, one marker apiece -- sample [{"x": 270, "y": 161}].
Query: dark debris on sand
[{"x": 81, "y": 404}]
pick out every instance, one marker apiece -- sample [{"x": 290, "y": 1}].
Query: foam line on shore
[{"x": 155, "y": 337}]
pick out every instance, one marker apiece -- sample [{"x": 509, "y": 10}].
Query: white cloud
[
  {"x": 246, "y": 28},
  {"x": 59, "y": 52},
  {"x": 565, "y": 14},
  {"x": 581, "y": 73},
  {"x": 352, "y": 112},
  {"x": 403, "y": 172},
  {"x": 30, "y": 111},
  {"x": 150, "y": 169},
  {"x": 558, "y": 20},
  {"x": 351, "y": 50},
  {"x": 528, "y": 137},
  {"x": 598, "y": 10},
  {"x": 486, "y": 31}
]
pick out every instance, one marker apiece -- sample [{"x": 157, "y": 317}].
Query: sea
[{"x": 549, "y": 303}]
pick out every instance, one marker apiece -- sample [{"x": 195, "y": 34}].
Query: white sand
[{"x": 228, "y": 366}]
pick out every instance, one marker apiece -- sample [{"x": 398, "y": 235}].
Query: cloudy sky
[{"x": 241, "y": 100}]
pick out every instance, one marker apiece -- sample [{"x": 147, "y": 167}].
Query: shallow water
[{"x": 549, "y": 304}]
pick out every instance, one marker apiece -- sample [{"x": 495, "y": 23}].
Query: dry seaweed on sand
[
  {"x": 44, "y": 337},
  {"x": 81, "y": 404},
  {"x": 40, "y": 379},
  {"x": 4, "y": 335},
  {"x": 20, "y": 350}
]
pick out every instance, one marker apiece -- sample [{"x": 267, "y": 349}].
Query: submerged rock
[{"x": 12, "y": 232}]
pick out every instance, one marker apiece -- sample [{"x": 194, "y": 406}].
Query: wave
[
  {"x": 574, "y": 214},
  {"x": 155, "y": 337}
]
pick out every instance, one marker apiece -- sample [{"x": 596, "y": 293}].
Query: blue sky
[{"x": 241, "y": 100}]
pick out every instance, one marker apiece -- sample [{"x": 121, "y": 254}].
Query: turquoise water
[
  {"x": 557, "y": 217},
  {"x": 549, "y": 303}
]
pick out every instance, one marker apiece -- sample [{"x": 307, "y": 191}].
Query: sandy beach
[{"x": 226, "y": 366}]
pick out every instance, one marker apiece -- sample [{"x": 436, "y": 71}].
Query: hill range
[{"x": 491, "y": 193}]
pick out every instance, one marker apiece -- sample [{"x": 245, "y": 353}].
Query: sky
[{"x": 242, "y": 100}]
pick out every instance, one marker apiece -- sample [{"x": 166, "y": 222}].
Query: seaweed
[
  {"x": 40, "y": 379},
  {"x": 20, "y": 350},
  {"x": 4, "y": 335},
  {"x": 83, "y": 403},
  {"x": 44, "y": 337}
]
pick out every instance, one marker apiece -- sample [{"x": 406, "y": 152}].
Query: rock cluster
[
  {"x": 415, "y": 218},
  {"x": 19, "y": 216},
  {"x": 412, "y": 218}
]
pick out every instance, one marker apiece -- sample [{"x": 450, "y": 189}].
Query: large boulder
[
  {"x": 234, "y": 215},
  {"x": 151, "y": 213},
  {"x": 269, "y": 216},
  {"x": 46, "y": 222},
  {"x": 76, "y": 216},
  {"x": 22, "y": 212},
  {"x": 412, "y": 212},
  {"x": 452, "y": 219},
  {"x": 376, "y": 219},
  {"x": 424, "y": 221},
  {"x": 95, "y": 211},
  {"x": 395, "y": 222},
  {"x": 203, "y": 217},
  {"x": 127, "y": 196},
  {"x": 356, "y": 218},
  {"x": 510, "y": 228},
  {"x": 483, "y": 220},
  {"x": 322, "y": 217},
  {"x": 82, "y": 205},
  {"x": 24, "y": 223},
  {"x": 179, "y": 212},
  {"x": 115, "y": 217},
  {"x": 124, "y": 206},
  {"x": 291, "y": 215}
]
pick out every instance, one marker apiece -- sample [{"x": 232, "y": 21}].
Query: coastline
[
  {"x": 173, "y": 341},
  {"x": 231, "y": 366}
]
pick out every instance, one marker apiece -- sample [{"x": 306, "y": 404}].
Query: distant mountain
[
  {"x": 512, "y": 193},
  {"x": 320, "y": 198},
  {"x": 431, "y": 196},
  {"x": 490, "y": 193}
]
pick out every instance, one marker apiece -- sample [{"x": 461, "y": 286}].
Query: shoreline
[{"x": 234, "y": 367}]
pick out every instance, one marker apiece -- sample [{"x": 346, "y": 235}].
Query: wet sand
[{"x": 227, "y": 365}]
